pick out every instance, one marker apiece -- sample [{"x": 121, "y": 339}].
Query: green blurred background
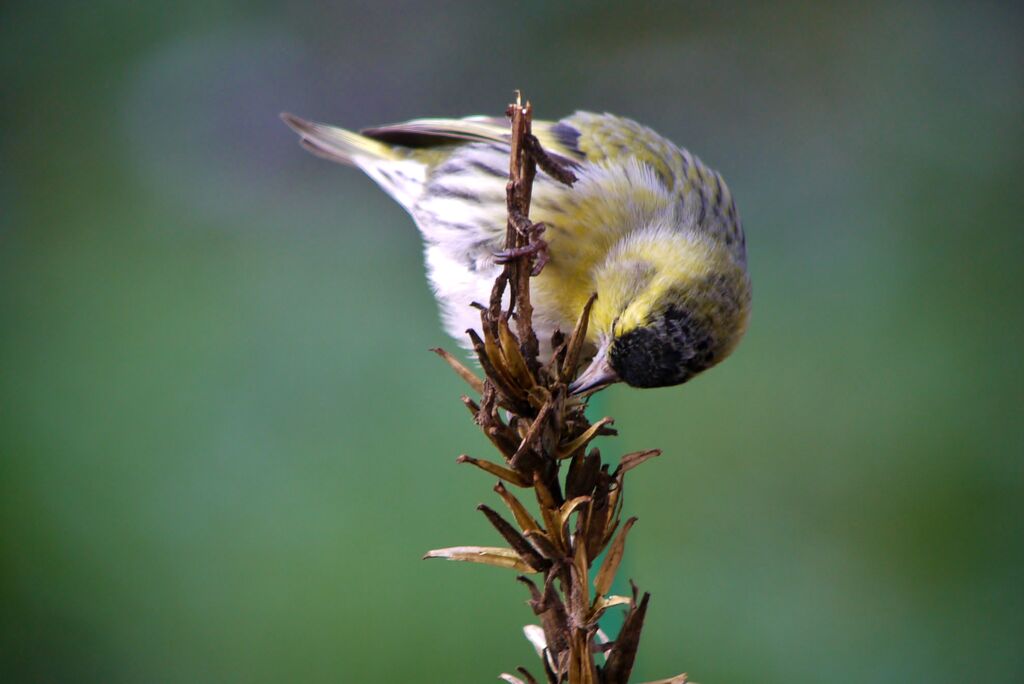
[{"x": 224, "y": 446}]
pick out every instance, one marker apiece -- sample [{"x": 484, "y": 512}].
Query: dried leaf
[
  {"x": 678, "y": 679},
  {"x": 532, "y": 433},
  {"x": 566, "y": 510},
  {"x": 614, "y": 509},
  {"x": 569, "y": 449},
  {"x": 527, "y": 677},
  {"x": 557, "y": 397},
  {"x": 622, "y": 657},
  {"x": 615, "y": 501},
  {"x": 488, "y": 555},
  {"x": 579, "y": 336},
  {"x": 535, "y": 635},
  {"x": 602, "y": 644},
  {"x": 582, "y": 475},
  {"x": 469, "y": 376},
  {"x": 539, "y": 394},
  {"x": 558, "y": 348},
  {"x": 519, "y": 512},
  {"x": 616, "y": 600},
  {"x": 505, "y": 676},
  {"x": 597, "y": 517},
  {"x": 543, "y": 544},
  {"x": 497, "y": 376},
  {"x": 487, "y": 417},
  {"x": 495, "y": 469},
  {"x": 605, "y": 576},
  {"x": 503, "y": 438},
  {"x": 497, "y": 292},
  {"x": 579, "y": 593},
  {"x": 553, "y": 666},
  {"x": 544, "y": 496},
  {"x": 513, "y": 357},
  {"x": 548, "y": 511},
  {"x": 514, "y": 538},
  {"x": 603, "y": 604},
  {"x": 630, "y": 461},
  {"x": 498, "y": 358}
]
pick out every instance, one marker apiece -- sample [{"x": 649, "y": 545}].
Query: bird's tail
[
  {"x": 337, "y": 144},
  {"x": 399, "y": 175}
]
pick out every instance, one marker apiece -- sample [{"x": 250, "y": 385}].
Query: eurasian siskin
[{"x": 647, "y": 226}]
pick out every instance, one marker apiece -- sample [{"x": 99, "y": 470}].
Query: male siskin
[{"x": 647, "y": 227}]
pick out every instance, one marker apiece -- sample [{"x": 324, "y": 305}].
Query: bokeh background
[{"x": 224, "y": 446}]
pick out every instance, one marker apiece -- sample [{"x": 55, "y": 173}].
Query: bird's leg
[{"x": 536, "y": 247}]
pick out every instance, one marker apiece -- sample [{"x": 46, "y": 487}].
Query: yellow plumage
[{"x": 647, "y": 226}]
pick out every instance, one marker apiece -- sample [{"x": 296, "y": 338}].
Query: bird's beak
[{"x": 598, "y": 375}]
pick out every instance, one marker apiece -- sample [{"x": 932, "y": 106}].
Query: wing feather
[{"x": 557, "y": 138}]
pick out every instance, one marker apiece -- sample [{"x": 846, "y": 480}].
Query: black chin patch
[{"x": 668, "y": 351}]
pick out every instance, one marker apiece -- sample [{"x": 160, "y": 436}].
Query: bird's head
[{"x": 668, "y": 307}]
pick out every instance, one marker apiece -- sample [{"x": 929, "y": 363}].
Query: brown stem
[{"x": 542, "y": 426}]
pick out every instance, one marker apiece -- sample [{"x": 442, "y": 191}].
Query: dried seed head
[{"x": 526, "y": 411}]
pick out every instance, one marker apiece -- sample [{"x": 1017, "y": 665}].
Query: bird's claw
[
  {"x": 536, "y": 249},
  {"x": 524, "y": 225}
]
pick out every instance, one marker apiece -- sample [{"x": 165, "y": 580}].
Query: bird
[{"x": 647, "y": 227}]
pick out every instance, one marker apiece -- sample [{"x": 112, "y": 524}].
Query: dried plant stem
[{"x": 544, "y": 427}]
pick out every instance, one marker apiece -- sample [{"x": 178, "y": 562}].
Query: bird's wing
[
  {"x": 581, "y": 137},
  {"x": 432, "y": 132},
  {"x": 609, "y": 139},
  {"x": 555, "y": 137}
]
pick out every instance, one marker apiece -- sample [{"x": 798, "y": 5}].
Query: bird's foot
[
  {"x": 536, "y": 249},
  {"x": 524, "y": 225}
]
